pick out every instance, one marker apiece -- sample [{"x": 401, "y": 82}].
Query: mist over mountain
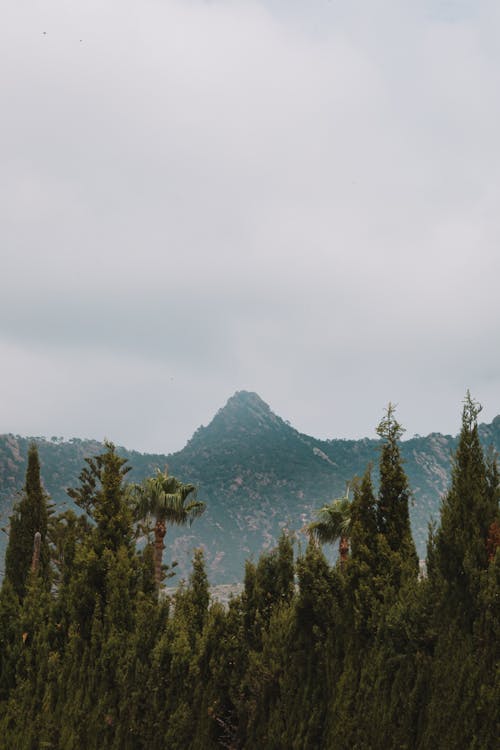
[{"x": 256, "y": 473}]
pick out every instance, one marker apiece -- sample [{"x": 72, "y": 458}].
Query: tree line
[{"x": 367, "y": 653}]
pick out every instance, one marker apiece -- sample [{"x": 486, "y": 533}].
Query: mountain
[{"x": 256, "y": 473}]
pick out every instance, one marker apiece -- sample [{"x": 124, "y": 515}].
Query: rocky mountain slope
[{"x": 256, "y": 473}]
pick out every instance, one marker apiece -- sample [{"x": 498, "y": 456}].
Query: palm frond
[
  {"x": 332, "y": 521},
  {"x": 167, "y": 499}
]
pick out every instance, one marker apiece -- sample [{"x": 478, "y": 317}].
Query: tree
[
  {"x": 66, "y": 531},
  {"x": 334, "y": 521},
  {"x": 10, "y": 637},
  {"x": 364, "y": 527},
  {"x": 101, "y": 495},
  {"x": 29, "y": 518},
  {"x": 393, "y": 517},
  {"x": 167, "y": 500},
  {"x": 465, "y": 540}
]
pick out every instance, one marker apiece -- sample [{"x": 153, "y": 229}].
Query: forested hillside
[
  {"x": 363, "y": 654},
  {"x": 257, "y": 475}
]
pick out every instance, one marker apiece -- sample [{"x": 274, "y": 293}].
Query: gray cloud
[{"x": 300, "y": 199}]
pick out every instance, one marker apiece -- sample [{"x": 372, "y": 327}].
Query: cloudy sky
[{"x": 296, "y": 198}]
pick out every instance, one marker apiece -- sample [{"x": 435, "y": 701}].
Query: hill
[{"x": 256, "y": 473}]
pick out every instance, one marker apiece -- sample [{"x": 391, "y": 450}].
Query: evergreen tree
[
  {"x": 66, "y": 531},
  {"x": 366, "y": 572},
  {"x": 220, "y": 665},
  {"x": 10, "y": 638},
  {"x": 198, "y": 592},
  {"x": 316, "y": 648},
  {"x": 463, "y": 591},
  {"x": 29, "y": 518},
  {"x": 363, "y": 514},
  {"x": 468, "y": 511},
  {"x": 393, "y": 517},
  {"x": 101, "y": 495},
  {"x": 267, "y": 585}
]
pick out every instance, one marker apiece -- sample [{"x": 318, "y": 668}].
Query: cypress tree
[
  {"x": 29, "y": 518},
  {"x": 393, "y": 518},
  {"x": 463, "y": 583},
  {"x": 394, "y": 493},
  {"x": 198, "y": 591},
  {"x": 367, "y": 565},
  {"x": 363, "y": 516},
  {"x": 272, "y": 585},
  {"x": 10, "y": 637},
  {"x": 468, "y": 511},
  {"x": 221, "y": 662}
]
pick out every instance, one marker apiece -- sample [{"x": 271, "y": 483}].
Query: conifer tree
[
  {"x": 29, "y": 518},
  {"x": 10, "y": 637},
  {"x": 393, "y": 518},
  {"x": 101, "y": 495},
  {"x": 198, "y": 591},
  {"x": 468, "y": 511},
  {"x": 220, "y": 663},
  {"x": 269, "y": 584},
  {"x": 363, "y": 513},
  {"x": 312, "y": 648},
  {"x": 366, "y": 571}
]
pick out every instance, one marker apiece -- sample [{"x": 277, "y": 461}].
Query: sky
[{"x": 295, "y": 198}]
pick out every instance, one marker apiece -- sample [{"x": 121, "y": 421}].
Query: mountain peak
[
  {"x": 244, "y": 414},
  {"x": 246, "y": 400},
  {"x": 245, "y": 409}
]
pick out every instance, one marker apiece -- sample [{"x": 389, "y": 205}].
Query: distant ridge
[{"x": 256, "y": 473}]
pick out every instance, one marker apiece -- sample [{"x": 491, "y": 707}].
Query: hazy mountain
[{"x": 256, "y": 473}]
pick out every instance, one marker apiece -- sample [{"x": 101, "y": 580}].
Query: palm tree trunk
[
  {"x": 160, "y": 531},
  {"x": 343, "y": 550}
]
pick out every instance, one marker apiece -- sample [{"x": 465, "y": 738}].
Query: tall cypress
[
  {"x": 30, "y": 517},
  {"x": 468, "y": 511},
  {"x": 393, "y": 518},
  {"x": 363, "y": 516}
]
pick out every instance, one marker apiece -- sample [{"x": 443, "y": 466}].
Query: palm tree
[
  {"x": 334, "y": 521},
  {"x": 167, "y": 501}
]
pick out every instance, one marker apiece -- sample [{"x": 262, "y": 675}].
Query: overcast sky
[{"x": 299, "y": 198}]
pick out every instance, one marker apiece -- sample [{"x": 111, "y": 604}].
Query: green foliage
[
  {"x": 168, "y": 501},
  {"x": 267, "y": 585},
  {"x": 334, "y": 521},
  {"x": 393, "y": 518},
  {"x": 66, "y": 532},
  {"x": 363, "y": 655},
  {"x": 101, "y": 495},
  {"x": 10, "y": 637},
  {"x": 255, "y": 470},
  {"x": 29, "y": 518},
  {"x": 166, "y": 498},
  {"x": 468, "y": 510},
  {"x": 363, "y": 514}
]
